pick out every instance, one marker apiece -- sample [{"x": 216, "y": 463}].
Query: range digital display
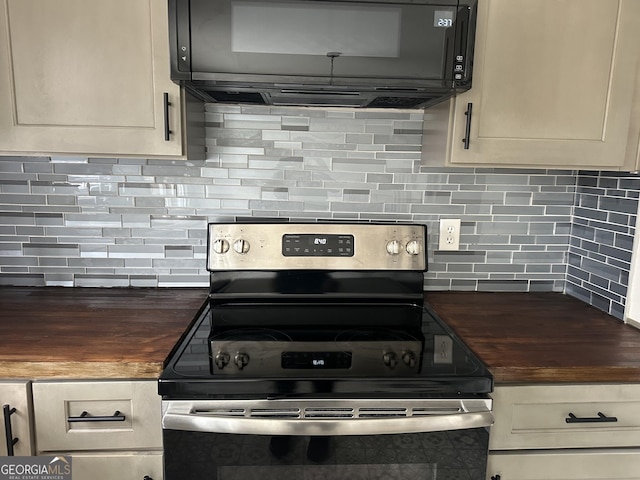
[
  {"x": 317, "y": 245},
  {"x": 316, "y": 360}
]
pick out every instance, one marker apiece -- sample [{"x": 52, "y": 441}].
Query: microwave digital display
[{"x": 443, "y": 18}]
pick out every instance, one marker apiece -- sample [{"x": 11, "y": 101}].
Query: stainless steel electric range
[{"x": 315, "y": 356}]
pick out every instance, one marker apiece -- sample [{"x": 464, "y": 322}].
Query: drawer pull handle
[
  {"x": 601, "y": 418},
  {"x": 85, "y": 417},
  {"x": 467, "y": 128},
  {"x": 8, "y": 433}
]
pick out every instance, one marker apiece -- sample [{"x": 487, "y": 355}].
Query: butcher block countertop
[
  {"x": 56, "y": 332},
  {"x": 95, "y": 333},
  {"x": 541, "y": 337}
]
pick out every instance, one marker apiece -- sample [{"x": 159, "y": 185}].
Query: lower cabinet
[
  {"x": 15, "y": 400},
  {"x": 581, "y": 465},
  {"x": 111, "y": 429},
  {"x": 117, "y": 466},
  {"x": 565, "y": 432}
]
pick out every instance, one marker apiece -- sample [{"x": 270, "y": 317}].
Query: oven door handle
[{"x": 195, "y": 422}]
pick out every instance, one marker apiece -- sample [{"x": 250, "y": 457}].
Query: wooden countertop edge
[
  {"x": 549, "y": 375},
  {"x": 79, "y": 370}
]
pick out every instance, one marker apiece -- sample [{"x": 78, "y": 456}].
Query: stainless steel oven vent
[
  {"x": 319, "y": 411},
  {"x": 336, "y": 416}
]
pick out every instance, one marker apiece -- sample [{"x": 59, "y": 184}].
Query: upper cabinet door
[
  {"x": 553, "y": 84},
  {"x": 86, "y": 77}
]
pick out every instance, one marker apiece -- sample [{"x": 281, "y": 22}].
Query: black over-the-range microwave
[{"x": 391, "y": 53}]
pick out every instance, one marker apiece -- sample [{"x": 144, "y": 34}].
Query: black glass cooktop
[{"x": 324, "y": 349}]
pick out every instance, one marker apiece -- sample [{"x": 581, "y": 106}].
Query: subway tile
[
  {"x": 50, "y": 250},
  {"x": 96, "y": 280},
  {"x": 131, "y": 251},
  {"x": 177, "y": 222},
  {"x": 276, "y": 162},
  {"x": 275, "y": 205},
  {"x": 87, "y": 263},
  {"x": 191, "y": 203},
  {"x": 252, "y": 122},
  {"x": 22, "y": 279},
  {"x": 494, "y": 198},
  {"x": 263, "y": 173},
  {"x": 212, "y": 149},
  {"x": 233, "y": 161},
  {"x": 94, "y": 220},
  {"x": 358, "y": 165},
  {"x": 502, "y": 286},
  {"x": 14, "y": 186},
  {"x": 232, "y": 192}
]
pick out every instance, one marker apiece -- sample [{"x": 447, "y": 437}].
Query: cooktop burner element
[
  {"x": 249, "y": 335},
  {"x": 373, "y": 334}
]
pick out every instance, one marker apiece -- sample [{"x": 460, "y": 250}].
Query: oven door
[{"x": 422, "y": 439}]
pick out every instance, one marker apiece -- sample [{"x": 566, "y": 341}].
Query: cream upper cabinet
[
  {"x": 553, "y": 85},
  {"x": 632, "y": 161},
  {"x": 87, "y": 77}
]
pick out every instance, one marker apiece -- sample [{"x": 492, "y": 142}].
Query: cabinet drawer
[
  {"x": 579, "y": 465},
  {"x": 566, "y": 416},
  {"x": 61, "y": 424},
  {"x": 123, "y": 466}
]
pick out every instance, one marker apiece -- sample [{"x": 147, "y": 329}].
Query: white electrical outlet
[
  {"x": 442, "y": 349},
  {"x": 449, "y": 234}
]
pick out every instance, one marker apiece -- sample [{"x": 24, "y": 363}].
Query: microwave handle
[{"x": 194, "y": 422}]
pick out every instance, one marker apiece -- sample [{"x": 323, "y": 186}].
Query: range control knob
[
  {"x": 220, "y": 246},
  {"x": 241, "y": 246},
  {"x": 414, "y": 247},
  {"x": 221, "y": 360},
  {"x": 409, "y": 359},
  {"x": 241, "y": 360},
  {"x": 390, "y": 359},
  {"x": 394, "y": 247}
]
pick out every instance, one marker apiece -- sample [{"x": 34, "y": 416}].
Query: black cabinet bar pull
[
  {"x": 85, "y": 417},
  {"x": 8, "y": 433},
  {"x": 167, "y": 104},
  {"x": 467, "y": 130},
  {"x": 601, "y": 418}
]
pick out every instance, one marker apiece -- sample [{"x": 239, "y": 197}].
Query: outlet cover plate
[{"x": 449, "y": 234}]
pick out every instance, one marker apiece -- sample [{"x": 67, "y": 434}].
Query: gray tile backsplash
[
  {"x": 79, "y": 221},
  {"x": 602, "y": 232}
]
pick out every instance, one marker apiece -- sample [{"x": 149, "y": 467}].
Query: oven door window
[{"x": 455, "y": 454}]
